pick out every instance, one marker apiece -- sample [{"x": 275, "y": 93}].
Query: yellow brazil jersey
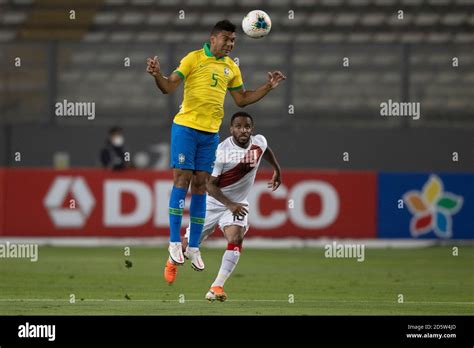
[{"x": 206, "y": 81}]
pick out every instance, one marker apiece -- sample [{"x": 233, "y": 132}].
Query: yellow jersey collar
[{"x": 207, "y": 51}]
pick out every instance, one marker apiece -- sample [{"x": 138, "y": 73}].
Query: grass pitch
[{"x": 431, "y": 280}]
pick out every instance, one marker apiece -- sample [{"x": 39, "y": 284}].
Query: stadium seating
[{"x": 389, "y": 57}]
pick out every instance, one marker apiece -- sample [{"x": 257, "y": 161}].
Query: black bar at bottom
[{"x": 140, "y": 330}]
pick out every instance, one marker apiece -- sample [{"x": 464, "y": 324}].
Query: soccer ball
[{"x": 256, "y": 24}]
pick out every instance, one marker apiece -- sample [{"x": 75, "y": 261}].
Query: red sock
[{"x": 237, "y": 247}]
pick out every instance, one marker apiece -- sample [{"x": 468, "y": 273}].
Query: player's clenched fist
[{"x": 153, "y": 66}]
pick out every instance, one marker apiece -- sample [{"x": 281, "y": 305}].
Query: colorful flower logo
[{"x": 432, "y": 209}]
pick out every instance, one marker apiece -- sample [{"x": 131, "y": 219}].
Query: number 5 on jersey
[{"x": 214, "y": 78}]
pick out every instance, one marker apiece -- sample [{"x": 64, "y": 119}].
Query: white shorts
[{"x": 220, "y": 215}]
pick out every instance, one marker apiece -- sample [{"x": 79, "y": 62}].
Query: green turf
[{"x": 432, "y": 281}]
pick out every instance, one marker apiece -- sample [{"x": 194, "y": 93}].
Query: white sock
[{"x": 229, "y": 261}]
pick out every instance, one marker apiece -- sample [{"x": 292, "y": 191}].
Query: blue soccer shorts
[{"x": 193, "y": 149}]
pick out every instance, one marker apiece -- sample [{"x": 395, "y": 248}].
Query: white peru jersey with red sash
[{"x": 237, "y": 167}]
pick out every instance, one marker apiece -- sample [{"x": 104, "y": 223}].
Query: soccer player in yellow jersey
[{"x": 207, "y": 74}]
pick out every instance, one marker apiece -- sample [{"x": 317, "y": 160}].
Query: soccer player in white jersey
[{"x": 238, "y": 158}]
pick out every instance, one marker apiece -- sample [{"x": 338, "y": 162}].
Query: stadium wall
[
  {"x": 309, "y": 204},
  {"x": 310, "y": 146},
  {"x": 2, "y": 200},
  {"x": 4, "y": 143}
]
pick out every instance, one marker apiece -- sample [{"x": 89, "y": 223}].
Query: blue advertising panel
[{"x": 428, "y": 206}]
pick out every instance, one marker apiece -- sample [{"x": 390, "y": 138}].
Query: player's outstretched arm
[
  {"x": 214, "y": 190},
  {"x": 269, "y": 156},
  {"x": 165, "y": 84},
  {"x": 243, "y": 97}
]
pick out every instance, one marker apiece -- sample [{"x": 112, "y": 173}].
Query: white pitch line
[{"x": 203, "y": 300}]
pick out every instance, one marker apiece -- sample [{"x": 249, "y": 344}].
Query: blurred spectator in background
[{"x": 113, "y": 154}]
